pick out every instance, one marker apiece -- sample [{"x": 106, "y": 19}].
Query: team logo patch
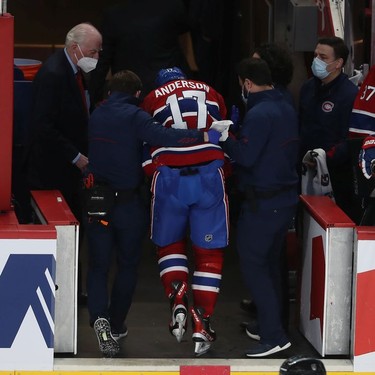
[
  {"x": 327, "y": 106},
  {"x": 208, "y": 237},
  {"x": 369, "y": 142}
]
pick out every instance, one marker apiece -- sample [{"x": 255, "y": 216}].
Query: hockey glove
[{"x": 367, "y": 157}]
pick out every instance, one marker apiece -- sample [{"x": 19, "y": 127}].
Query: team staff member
[
  {"x": 188, "y": 191},
  {"x": 266, "y": 154},
  {"x": 325, "y": 107},
  {"x": 117, "y": 131},
  {"x": 280, "y": 62}
]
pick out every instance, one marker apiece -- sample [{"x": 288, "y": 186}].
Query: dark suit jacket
[{"x": 59, "y": 128}]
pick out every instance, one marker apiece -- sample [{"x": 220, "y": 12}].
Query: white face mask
[
  {"x": 87, "y": 64},
  {"x": 243, "y": 95}
]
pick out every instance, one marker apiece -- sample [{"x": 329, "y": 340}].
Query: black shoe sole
[{"x": 107, "y": 344}]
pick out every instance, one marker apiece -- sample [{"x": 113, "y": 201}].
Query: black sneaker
[
  {"x": 249, "y": 306},
  {"x": 107, "y": 344},
  {"x": 251, "y": 329},
  {"x": 263, "y": 350},
  {"x": 203, "y": 334},
  {"x": 119, "y": 334},
  {"x": 179, "y": 304}
]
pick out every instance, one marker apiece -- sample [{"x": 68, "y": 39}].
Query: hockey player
[
  {"x": 117, "y": 130},
  {"x": 362, "y": 121},
  {"x": 188, "y": 190},
  {"x": 361, "y": 142},
  {"x": 362, "y": 124}
]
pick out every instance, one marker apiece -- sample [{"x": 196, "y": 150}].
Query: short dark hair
[
  {"x": 256, "y": 70},
  {"x": 339, "y": 47},
  {"x": 125, "y": 81},
  {"x": 279, "y": 61}
]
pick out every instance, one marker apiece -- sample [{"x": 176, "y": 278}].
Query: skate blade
[
  {"x": 179, "y": 334},
  {"x": 180, "y": 331},
  {"x": 181, "y": 318},
  {"x": 202, "y": 348}
]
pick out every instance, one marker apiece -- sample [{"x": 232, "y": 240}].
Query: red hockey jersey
[
  {"x": 184, "y": 104},
  {"x": 362, "y": 121}
]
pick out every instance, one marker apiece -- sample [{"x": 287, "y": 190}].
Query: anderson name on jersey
[{"x": 170, "y": 87}]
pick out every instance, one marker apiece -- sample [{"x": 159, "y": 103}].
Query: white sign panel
[{"x": 27, "y": 295}]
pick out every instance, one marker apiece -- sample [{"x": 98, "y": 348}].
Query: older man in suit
[
  {"x": 58, "y": 148},
  {"x": 57, "y": 152}
]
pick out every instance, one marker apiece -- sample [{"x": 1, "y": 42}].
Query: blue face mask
[{"x": 319, "y": 68}]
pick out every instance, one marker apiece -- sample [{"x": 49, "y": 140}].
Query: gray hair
[{"x": 78, "y": 34}]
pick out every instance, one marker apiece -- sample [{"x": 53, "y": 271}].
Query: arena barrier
[
  {"x": 363, "y": 321},
  {"x": 27, "y": 294},
  {"x": 327, "y": 249},
  {"x": 38, "y": 285},
  {"x": 52, "y": 209}
]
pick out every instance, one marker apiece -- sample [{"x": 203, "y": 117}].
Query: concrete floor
[{"x": 148, "y": 320}]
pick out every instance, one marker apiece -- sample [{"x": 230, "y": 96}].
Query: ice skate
[
  {"x": 179, "y": 304},
  {"x": 203, "y": 335}
]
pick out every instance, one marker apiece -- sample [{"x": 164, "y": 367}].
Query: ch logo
[
  {"x": 327, "y": 106},
  {"x": 27, "y": 282}
]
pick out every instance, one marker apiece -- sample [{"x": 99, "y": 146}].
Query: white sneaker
[{"x": 263, "y": 350}]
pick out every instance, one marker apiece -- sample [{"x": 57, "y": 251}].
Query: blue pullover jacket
[
  {"x": 267, "y": 149},
  {"x": 324, "y": 112},
  {"x": 117, "y": 130}
]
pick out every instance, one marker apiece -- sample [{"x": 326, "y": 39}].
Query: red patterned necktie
[{"x": 79, "y": 78}]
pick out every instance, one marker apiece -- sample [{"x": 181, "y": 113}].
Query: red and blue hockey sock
[
  {"x": 173, "y": 265},
  {"x": 207, "y": 278}
]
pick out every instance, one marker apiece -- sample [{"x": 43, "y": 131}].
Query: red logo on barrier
[
  {"x": 318, "y": 272},
  {"x": 365, "y": 313}
]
